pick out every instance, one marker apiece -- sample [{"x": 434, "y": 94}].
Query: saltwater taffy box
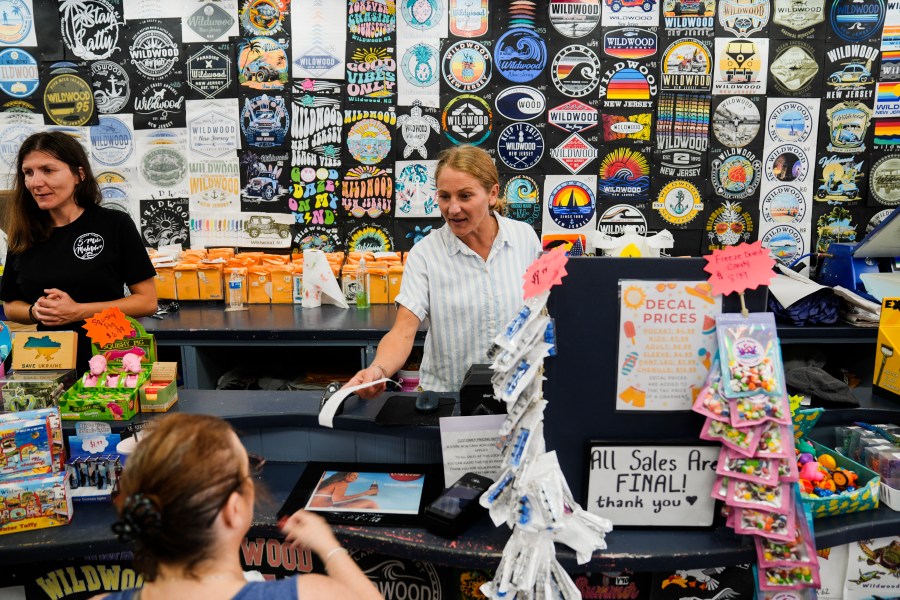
[
  {"x": 35, "y": 503},
  {"x": 886, "y": 378},
  {"x": 31, "y": 443},
  {"x": 161, "y": 392}
]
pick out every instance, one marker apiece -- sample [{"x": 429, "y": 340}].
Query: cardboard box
[
  {"x": 35, "y": 503},
  {"x": 886, "y": 377},
  {"x": 165, "y": 283},
  {"x": 49, "y": 416},
  {"x": 28, "y": 390},
  {"x": 44, "y": 350},
  {"x": 25, "y": 449},
  {"x": 395, "y": 278},
  {"x": 161, "y": 392},
  {"x": 99, "y": 404},
  {"x": 209, "y": 279},
  {"x": 282, "y": 284},
  {"x": 187, "y": 286},
  {"x": 259, "y": 288},
  {"x": 139, "y": 342},
  {"x": 378, "y": 285}
]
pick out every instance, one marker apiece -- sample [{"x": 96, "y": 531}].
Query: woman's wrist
[
  {"x": 384, "y": 373},
  {"x": 331, "y": 554},
  {"x": 31, "y": 316}
]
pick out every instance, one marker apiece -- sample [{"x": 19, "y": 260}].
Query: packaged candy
[
  {"x": 743, "y": 441},
  {"x": 710, "y": 401},
  {"x": 752, "y": 410},
  {"x": 770, "y": 498},
  {"x": 749, "y": 354},
  {"x": 788, "y": 578},
  {"x": 776, "y": 440},
  {"x": 758, "y": 470},
  {"x": 772, "y": 525},
  {"x": 720, "y": 488},
  {"x": 771, "y": 553},
  {"x": 787, "y": 470}
]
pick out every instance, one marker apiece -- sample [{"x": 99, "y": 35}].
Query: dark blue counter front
[{"x": 283, "y": 426}]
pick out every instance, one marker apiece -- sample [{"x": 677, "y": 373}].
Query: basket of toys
[{"x": 832, "y": 484}]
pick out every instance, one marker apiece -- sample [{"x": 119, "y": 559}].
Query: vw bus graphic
[{"x": 739, "y": 54}]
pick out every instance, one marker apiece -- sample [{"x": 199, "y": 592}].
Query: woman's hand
[
  {"x": 57, "y": 308},
  {"x": 372, "y": 373},
  {"x": 308, "y": 530}
]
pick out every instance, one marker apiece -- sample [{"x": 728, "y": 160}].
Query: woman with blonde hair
[
  {"x": 186, "y": 502},
  {"x": 466, "y": 277}
]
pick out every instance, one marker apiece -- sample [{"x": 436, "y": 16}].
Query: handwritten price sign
[
  {"x": 107, "y": 326},
  {"x": 739, "y": 268},
  {"x": 545, "y": 272}
]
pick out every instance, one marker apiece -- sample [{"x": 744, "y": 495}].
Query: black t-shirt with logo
[{"x": 91, "y": 259}]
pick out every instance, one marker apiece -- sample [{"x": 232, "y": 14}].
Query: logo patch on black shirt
[{"x": 88, "y": 246}]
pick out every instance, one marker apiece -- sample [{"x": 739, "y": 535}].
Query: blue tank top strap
[
  {"x": 123, "y": 595},
  {"x": 281, "y": 589}
]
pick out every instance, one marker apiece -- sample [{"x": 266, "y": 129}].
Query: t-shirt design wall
[{"x": 722, "y": 121}]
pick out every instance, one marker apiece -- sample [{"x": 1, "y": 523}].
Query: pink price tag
[
  {"x": 739, "y": 268},
  {"x": 545, "y": 272}
]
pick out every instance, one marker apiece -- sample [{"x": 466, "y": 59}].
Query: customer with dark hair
[
  {"x": 68, "y": 258},
  {"x": 186, "y": 502}
]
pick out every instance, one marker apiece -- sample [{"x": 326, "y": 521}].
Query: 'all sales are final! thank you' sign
[{"x": 656, "y": 486}]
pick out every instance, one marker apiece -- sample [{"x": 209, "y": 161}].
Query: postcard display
[{"x": 319, "y": 121}]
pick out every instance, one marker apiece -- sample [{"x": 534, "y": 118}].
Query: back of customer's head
[{"x": 173, "y": 486}]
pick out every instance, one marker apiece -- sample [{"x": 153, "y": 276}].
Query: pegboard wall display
[{"x": 317, "y": 123}]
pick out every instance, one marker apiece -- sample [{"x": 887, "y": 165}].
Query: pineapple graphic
[
  {"x": 422, "y": 71},
  {"x": 468, "y": 71}
]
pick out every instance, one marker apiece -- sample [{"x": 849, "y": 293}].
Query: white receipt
[{"x": 326, "y": 414}]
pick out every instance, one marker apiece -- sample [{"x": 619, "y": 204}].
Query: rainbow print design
[
  {"x": 887, "y": 132},
  {"x": 888, "y": 92},
  {"x": 628, "y": 84}
]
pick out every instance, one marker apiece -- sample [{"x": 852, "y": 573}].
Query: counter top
[{"x": 196, "y": 323}]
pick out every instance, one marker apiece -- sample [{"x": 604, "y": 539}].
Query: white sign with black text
[{"x": 657, "y": 486}]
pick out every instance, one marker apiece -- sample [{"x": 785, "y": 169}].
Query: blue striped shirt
[{"x": 466, "y": 298}]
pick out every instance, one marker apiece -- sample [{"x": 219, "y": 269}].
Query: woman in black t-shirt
[{"x": 68, "y": 258}]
